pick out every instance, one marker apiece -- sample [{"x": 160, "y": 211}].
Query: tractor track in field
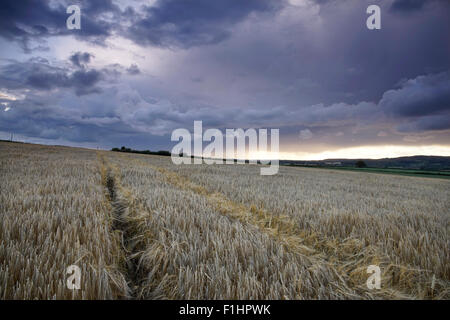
[
  {"x": 347, "y": 265},
  {"x": 121, "y": 223}
]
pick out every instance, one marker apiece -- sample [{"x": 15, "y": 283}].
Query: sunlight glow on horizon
[{"x": 362, "y": 152}]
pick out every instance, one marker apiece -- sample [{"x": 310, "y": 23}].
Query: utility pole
[{"x": 12, "y": 135}]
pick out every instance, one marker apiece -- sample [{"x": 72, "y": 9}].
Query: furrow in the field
[{"x": 119, "y": 224}]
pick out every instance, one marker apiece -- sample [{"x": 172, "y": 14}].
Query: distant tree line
[
  {"x": 129, "y": 150},
  {"x": 167, "y": 153}
]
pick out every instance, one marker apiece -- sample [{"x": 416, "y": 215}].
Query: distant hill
[{"x": 431, "y": 163}]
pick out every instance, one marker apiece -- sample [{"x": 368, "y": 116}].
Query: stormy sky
[{"x": 137, "y": 70}]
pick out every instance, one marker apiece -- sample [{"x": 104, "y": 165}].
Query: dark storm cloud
[
  {"x": 300, "y": 68},
  {"x": 424, "y": 95},
  {"x": 22, "y": 19},
  {"x": 55, "y": 125},
  {"x": 304, "y": 56},
  {"x": 81, "y": 59},
  {"x": 167, "y": 23},
  {"x": 83, "y": 82},
  {"x": 417, "y": 105},
  {"x": 173, "y": 23},
  {"x": 428, "y": 123},
  {"x": 133, "y": 70},
  {"x": 26, "y": 20},
  {"x": 408, "y": 6},
  {"x": 39, "y": 74}
]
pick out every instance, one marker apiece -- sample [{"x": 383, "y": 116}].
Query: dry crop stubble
[
  {"x": 352, "y": 219},
  {"x": 142, "y": 228},
  {"x": 191, "y": 250},
  {"x": 53, "y": 214}
]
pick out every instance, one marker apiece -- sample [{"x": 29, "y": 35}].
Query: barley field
[{"x": 140, "y": 227}]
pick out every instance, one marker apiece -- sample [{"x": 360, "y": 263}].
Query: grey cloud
[
  {"x": 27, "y": 20},
  {"x": 21, "y": 20},
  {"x": 133, "y": 69},
  {"x": 302, "y": 56},
  {"x": 84, "y": 81},
  {"x": 407, "y": 6},
  {"x": 172, "y": 23},
  {"x": 176, "y": 23},
  {"x": 40, "y": 75},
  {"x": 54, "y": 118},
  {"x": 81, "y": 59},
  {"x": 424, "y": 95},
  {"x": 428, "y": 123},
  {"x": 293, "y": 68}
]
